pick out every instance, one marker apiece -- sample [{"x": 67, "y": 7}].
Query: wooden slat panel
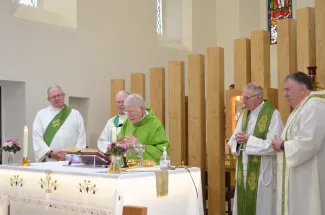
[
  {"x": 157, "y": 92},
  {"x": 320, "y": 40},
  {"x": 242, "y": 64},
  {"x": 134, "y": 210},
  {"x": 272, "y": 96},
  {"x": 216, "y": 131},
  {"x": 116, "y": 85},
  {"x": 176, "y": 112},
  {"x": 196, "y": 116},
  {"x": 138, "y": 84},
  {"x": 306, "y": 45},
  {"x": 287, "y": 60},
  {"x": 260, "y": 58}
]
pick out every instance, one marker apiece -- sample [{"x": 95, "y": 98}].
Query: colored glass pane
[{"x": 277, "y": 9}]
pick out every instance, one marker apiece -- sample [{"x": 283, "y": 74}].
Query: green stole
[
  {"x": 284, "y": 165},
  {"x": 116, "y": 119},
  {"x": 115, "y": 124},
  {"x": 246, "y": 198},
  {"x": 56, "y": 124}
]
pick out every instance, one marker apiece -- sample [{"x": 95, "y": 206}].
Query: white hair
[
  {"x": 122, "y": 92},
  {"x": 134, "y": 100},
  {"x": 53, "y": 87},
  {"x": 255, "y": 88}
]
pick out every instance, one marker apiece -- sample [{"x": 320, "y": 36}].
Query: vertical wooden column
[
  {"x": 216, "y": 131},
  {"x": 116, "y": 85},
  {"x": 196, "y": 116},
  {"x": 242, "y": 64},
  {"x": 176, "y": 112},
  {"x": 138, "y": 84},
  {"x": 306, "y": 45},
  {"x": 157, "y": 92},
  {"x": 134, "y": 210},
  {"x": 287, "y": 60},
  {"x": 260, "y": 58},
  {"x": 320, "y": 40}
]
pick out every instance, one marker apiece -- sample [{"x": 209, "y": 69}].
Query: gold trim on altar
[
  {"x": 87, "y": 187},
  {"x": 48, "y": 184},
  {"x": 16, "y": 181},
  {"x": 161, "y": 183}
]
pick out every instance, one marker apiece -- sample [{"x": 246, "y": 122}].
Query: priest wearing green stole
[
  {"x": 252, "y": 142},
  {"x": 301, "y": 150},
  {"x": 56, "y": 128},
  {"x": 114, "y": 124},
  {"x": 143, "y": 127}
]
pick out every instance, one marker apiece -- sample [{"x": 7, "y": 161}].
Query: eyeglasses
[
  {"x": 248, "y": 98},
  {"x": 56, "y": 96},
  {"x": 132, "y": 112},
  {"x": 119, "y": 102}
]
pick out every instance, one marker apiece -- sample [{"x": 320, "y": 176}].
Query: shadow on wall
[
  {"x": 92, "y": 140},
  {"x": 13, "y": 115}
]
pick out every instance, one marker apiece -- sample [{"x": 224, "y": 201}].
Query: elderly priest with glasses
[
  {"x": 143, "y": 127},
  {"x": 256, "y": 165},
  {"x": 56, "y": 128}
]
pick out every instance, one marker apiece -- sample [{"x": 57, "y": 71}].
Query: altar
[{"x": 52, "y": 188}]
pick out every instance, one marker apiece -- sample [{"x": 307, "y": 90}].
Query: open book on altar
[{"x": 87, "y": 156}]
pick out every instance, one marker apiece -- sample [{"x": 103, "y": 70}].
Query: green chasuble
[
  {"x": 149, "y": 132},
  {"x": 246, "y": 198},
  {"x": 56, "y": 124}
]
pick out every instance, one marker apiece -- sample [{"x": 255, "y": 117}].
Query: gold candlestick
[{"x": 25, "y": 162}]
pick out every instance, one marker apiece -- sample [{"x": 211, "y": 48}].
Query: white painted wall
[
  {"x": 13, "y": 119},
  {"x": 113, "y": 39}
]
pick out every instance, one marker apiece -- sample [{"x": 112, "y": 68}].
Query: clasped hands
[
  {"x": 241, "y": 137},
  {"x": 130, "y": 140},
  {"x": 276, "y": 143}
]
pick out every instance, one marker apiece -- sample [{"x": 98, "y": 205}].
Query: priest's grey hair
[
  {"x": 122, "y": 92},
  {"x": 134, "y": 100},
  {"x": 300, "y": 78},
  {"x": 53, "y": 87},
  {"x": 255, "y": 88}
]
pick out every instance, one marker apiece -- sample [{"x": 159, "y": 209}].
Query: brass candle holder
[{"x": 25, "y": 162}]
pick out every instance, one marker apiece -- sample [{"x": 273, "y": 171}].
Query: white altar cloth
[{"x": 79, "y": 190}]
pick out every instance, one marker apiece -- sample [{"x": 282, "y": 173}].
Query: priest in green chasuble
[
  {"x": 301, "y": 150},
  {"x": 56, "y": 128},
  {"x": 114, "y": 124},
  {"x": 252, "y": 143},
  {"x": 142, "y": 126}
]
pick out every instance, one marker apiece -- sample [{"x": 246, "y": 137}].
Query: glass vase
[
  {"x": 115, "y": 165},
  {"x": 11, "y": 158}
]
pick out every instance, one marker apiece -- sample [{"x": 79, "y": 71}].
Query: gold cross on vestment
[{"x": 56, "y": 123}]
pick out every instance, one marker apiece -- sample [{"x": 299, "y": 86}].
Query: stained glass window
[
  {"x": 31, "y": 3},
  {"x": 277, "y": 9},
  {"x": 159, "y": 17}
]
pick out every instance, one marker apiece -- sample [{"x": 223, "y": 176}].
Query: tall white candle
[
  {"x": 25, "y": 141},
  {"x": 113, "y": 133}
]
